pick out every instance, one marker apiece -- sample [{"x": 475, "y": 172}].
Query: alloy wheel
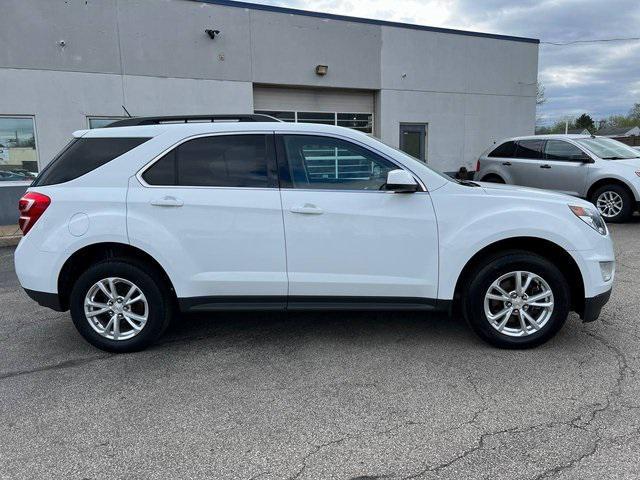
[
  {"x": 116, "y": 308},
  {"x": 610, "y": 204},
  {"x": 518, "y": 304}
]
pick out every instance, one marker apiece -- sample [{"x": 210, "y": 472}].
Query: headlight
[{"x": 591, "y": 217}]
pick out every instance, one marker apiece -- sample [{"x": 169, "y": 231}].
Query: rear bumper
[
  {"x": 593, "y": 306},
  {"x": 46, "y": 299}
]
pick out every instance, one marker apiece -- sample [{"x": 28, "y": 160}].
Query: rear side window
[
  {"x": 506, "y": 150},
  {"x": 530, "y": 149},
  {"x": 82, "y": 156},
  {"x": 217, "y": 161}
]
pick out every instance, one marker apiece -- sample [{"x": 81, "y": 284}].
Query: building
[
  {"x": 442, "y": 95},
  {"x": 616, "y": 132}
]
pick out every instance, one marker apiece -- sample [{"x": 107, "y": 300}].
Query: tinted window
[
  {"x": 506, "y": 150},
  {"x": 163, "y": 172},
  {"x": 530, "y": 149},
  {"x": 559, "y": 150},
  {"x": 329, "y": 163},
  {"x": 84, "y": 155},
  {"x": 219, "y": 161}
]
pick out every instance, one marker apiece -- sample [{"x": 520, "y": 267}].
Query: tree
[
  {"x": 634, "y": 113},
  {"x": 540, "y": 98},
  {"x": 585, "y": 121}
]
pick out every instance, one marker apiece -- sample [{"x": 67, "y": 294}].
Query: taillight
[
  {"x": 32, "y": 205},
  {"x": 478, "y": 165}
]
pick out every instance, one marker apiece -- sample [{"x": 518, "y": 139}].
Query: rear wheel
[
  {"x": 516, "y": 300},
  {"x": 613, "y": 202},
  {"x": 493, "y": 179},
  {"x": 120, "y": 306}
]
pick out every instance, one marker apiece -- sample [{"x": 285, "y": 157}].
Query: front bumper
[{"x": 593, "y": 306}]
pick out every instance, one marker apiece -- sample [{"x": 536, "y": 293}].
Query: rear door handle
[
  {"x": 545, "y": 166},
  {"x": 507, "y": 164},
  {"x": 307, "y": 209},
  {"x": 167, "y": 201}
]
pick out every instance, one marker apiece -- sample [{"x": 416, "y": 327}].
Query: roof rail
[{"x": 136, "y": 121}]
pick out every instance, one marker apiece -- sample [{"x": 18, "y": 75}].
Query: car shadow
[{"x": 295, "y": 327}]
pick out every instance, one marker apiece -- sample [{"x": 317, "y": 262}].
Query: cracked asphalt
[{"x": 322, "y": 396}]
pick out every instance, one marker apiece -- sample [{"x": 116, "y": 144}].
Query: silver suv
[{"x": 602, "y": 170}]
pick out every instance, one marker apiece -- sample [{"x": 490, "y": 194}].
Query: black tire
[
  {"x": 501, "y": 264},
  {"x": 627, "y": 202},
  {"x": 493, "y": 179},
  {"x": 158, "y": 296}
]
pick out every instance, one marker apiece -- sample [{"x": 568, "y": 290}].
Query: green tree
[
  {"x": 585, "y": 121},
  {"x": 540, "y": 98},
  {"x": 634, "y": 113}
]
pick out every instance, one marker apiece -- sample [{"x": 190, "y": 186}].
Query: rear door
[
  {"x": 527, "y": 165},
  {"x": 348, "y": 241},
  {"x": 209, "y": 210}
]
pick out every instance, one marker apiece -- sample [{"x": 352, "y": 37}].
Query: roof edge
[{"x": 370, "y": 21}]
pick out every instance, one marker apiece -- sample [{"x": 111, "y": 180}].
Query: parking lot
[{"x": 324, "y": 395}]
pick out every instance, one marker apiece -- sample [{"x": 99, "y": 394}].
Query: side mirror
[{"x": 401, "y": 181}]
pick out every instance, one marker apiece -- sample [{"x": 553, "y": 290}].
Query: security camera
[{"x": 212, "y": 33}]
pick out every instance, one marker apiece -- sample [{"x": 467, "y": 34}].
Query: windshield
[{"x": 608, "y": 149}]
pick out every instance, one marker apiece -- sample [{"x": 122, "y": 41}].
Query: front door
[
  {"x": 565, "y": 168},
  {"x": 413, "y": 140},
  {"x": 348, "y": 240},
  {"x": 209, "y": 210}
]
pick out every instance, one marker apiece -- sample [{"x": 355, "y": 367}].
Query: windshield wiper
[
  {"x": 617, "y": 158},
  {"x": 468, "y": 183}
]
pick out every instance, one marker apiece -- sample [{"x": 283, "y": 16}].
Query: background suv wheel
[
  {"x": 613, "y": 202},
  {"x": 516, "y": 300},
  {"x": 493, "y": 179},
  {"x": 118, "y": 305}
]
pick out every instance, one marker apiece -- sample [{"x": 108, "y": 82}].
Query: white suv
[{"x": 131, "y": 224}]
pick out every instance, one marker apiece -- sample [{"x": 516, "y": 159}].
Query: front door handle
[
  {"x": 307, "y": 209},
  {"x": 507, "y": 164},
  {"x": 545, "y": 166},
  {"x": 167, "y": 201}
]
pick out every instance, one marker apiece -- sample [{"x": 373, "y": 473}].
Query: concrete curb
[{"x": 10, "y": 241}]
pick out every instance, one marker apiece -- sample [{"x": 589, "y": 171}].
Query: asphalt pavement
[{"x": 322, "y": 396}]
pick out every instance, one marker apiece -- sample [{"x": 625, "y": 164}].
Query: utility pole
[{"x": 566, "y": 127}]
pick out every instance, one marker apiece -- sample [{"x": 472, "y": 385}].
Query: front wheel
[
  {"x": 516, "y": 300},
  {"x": 118, "y": 305},
  {"x": 613, "y": 202}
]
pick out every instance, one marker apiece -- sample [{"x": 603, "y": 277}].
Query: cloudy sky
[{"x": 598, "y": 78}]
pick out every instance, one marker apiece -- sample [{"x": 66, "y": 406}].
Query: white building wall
[
  {"x": 154, "y": 58},
  {"x": 470, "y": 91},
  {"x": 62, "y": 101}
]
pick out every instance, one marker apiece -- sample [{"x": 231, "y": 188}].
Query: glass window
[
  {"x": 83, "y": 155},
  {"x": 18, "y": 153},
  {"x": 102, "y": 121},
  {"x": 218, "y": 161},
  {"x": 530, "y": 149},
  {"x": 284, "y": 116},
  {"x": 330, "y": 163},
  {"x": 163, "y": 172},
  {"x": 506, "y": 150},
  {"x": 559, "y": 150},
  {"x": 357, "y": 121},
  {"x": 608, "y": 148},
  {"x": 314, "y": 117}
]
